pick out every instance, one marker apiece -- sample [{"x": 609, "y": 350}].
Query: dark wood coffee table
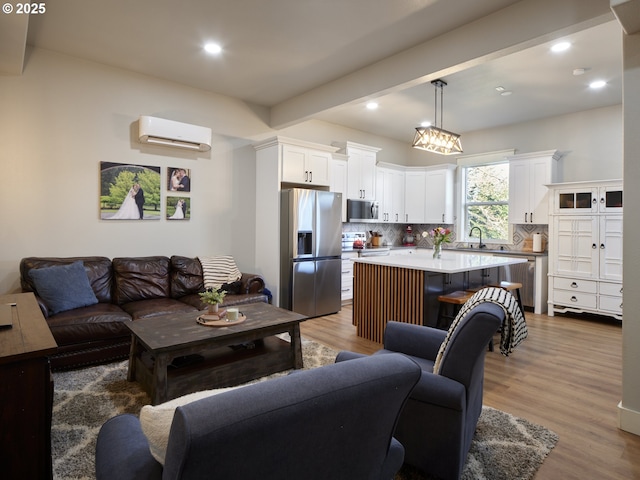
[{"x": 172, "y": 355}]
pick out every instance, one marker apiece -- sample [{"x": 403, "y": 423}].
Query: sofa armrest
[
  {"x": 413, "y": 340},
  {"x": 394, "y": 460},
  {"x": 252, "y": 283},
  {"x": 347, "y": 355},
  {"x": 440, "y": 391},
  {"x": 122, "y": 451}
]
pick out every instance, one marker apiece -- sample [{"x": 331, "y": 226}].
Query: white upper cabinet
[
  {"x": 439, "y": 185},
  {"x": 361, "y": 170},
  {"x": 305, "y": 165},
  {"x": 415, "y": 199},
  {"x": 529, "y": 175},
  {"x": 338, "y": 179},
  {"x": 390, "y": 194}
]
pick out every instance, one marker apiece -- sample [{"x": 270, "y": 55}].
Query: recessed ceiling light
[
  {"x": 372, "y": 105},
  {"x": 506, "y": 93},
  {"x": 560, "y": 47},
  {"x": 500, "y": 89},
  {"x": 597, "y": 84},
  {"x": 213, "y": 48}
]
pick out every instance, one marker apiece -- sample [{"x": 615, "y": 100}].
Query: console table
[{"x": 26, "y": 389}]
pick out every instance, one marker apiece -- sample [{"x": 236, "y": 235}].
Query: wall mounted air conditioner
[{"x": 159, "y": 131}]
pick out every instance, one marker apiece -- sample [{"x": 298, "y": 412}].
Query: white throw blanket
[
  {"x": 514, "y": 329},
  {"x": 219, "y": 270}
]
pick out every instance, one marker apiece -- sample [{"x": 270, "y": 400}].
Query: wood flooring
[{"x": 565, "y": 376}]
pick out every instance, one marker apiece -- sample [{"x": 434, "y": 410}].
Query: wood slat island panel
[{"x": 383, "y": 293}]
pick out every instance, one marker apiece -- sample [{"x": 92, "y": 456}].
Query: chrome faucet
[{"x": 480, "y": 245}]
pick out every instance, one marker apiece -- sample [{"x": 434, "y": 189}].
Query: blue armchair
[
  {"x": 314, "y": 424},
  {"x": 438, "y": 422}
]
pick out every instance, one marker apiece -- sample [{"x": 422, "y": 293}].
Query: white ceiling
[{"x": 277, "y": 50}]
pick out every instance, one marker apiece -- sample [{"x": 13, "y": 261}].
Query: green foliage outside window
[{"x": 487, "y": 200}]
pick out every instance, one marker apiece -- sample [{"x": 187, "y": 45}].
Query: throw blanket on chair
[
  {"x": 514, "y": 328},
  {"x": 219, "y": 270}
]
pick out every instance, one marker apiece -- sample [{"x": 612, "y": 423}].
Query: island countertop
[{"x": 450, "y": 261}]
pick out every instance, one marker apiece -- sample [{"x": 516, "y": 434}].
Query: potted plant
[{"x": 212, "y": 297}]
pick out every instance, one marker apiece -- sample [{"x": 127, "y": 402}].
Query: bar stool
[
  {"x": 456, "y": 299},
  {"x": 509, "y": 287}
]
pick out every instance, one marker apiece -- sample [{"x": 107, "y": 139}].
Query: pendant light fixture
[{"x": 435, "y": 139}]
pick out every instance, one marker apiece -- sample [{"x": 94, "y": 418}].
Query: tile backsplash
[{"x": 392, "y": 234}]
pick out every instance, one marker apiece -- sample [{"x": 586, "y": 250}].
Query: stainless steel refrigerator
[{"x": 311, "y": 247}]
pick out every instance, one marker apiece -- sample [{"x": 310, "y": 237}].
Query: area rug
[{"x": 504, "y": 447}]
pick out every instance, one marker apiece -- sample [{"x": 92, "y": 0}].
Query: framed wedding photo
[
  {"x": 179, "y": 179},
  {"x": 129, "y": 192},
  {"x": 178, "y": 208}
]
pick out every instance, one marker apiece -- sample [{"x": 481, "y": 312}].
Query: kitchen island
[{"x": 405, "y": 288}]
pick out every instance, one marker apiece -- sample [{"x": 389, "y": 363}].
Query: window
[{"x": 485, "y": 203}]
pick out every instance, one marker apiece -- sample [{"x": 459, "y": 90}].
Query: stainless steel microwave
[{"x": 362, "y": 211}]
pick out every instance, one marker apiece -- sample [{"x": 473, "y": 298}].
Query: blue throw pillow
[{"x": 63, "y": 287}]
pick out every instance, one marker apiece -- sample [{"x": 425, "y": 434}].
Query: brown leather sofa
[{"x": 127, "y": 289}]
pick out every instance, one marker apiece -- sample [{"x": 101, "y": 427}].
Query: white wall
[
  {"x": 630, "y": 404},
  {"x": 64, "y": 116},
  {"x": 591, "y": 141}
]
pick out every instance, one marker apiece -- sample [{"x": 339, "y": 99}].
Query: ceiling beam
[
  {"x": 490, "y": 37},
  {"x": 628, "y": 14}
]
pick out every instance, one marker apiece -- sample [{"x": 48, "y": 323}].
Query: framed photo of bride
[
  {"x": 129, "y": 192},
  {"x": 178, "y": 208},
  {"x": 179, "y": 179}
]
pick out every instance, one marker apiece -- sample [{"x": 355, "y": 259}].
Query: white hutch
[{"x": 585, "y": 248}]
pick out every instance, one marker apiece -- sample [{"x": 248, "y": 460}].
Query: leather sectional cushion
[
  {"x": 155, "y": 307},
  {"x": 101, "y": 321},
  {"x": 186, "y": 276},
  {"x": 141, "y": 278}
]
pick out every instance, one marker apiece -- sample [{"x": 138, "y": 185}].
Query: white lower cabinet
[{"x": 347, "y": 276}]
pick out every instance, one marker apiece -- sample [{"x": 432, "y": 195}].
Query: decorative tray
[{"x": 215, "y": 321}]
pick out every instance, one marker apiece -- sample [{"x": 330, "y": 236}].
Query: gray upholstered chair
[
  {"x": 438, "y": 422},
  {"x": 316, "y": 424}
]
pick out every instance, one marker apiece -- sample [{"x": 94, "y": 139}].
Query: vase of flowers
[
  {"x": 212, "y": 297},
  {"x": 439, "y": 235}
]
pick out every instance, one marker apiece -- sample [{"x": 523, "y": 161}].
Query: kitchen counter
[
  {"x": 450, "y": 261},
  {"x": 497, "y": 251},
  {"x": 405, "y": 286},
  {"x": 473, "y": 250}
]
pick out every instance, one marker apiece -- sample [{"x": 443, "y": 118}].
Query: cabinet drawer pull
[
  {"x": 574, "y": 285},
  {"x": 525, "y": 216},
  {"x": 574, "y": 299},
  {"x": 602, "y": 246},
  {"x": 594, "y": 246}
]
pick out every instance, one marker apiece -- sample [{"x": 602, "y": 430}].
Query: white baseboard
[{"x": 628, "y": 420}]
